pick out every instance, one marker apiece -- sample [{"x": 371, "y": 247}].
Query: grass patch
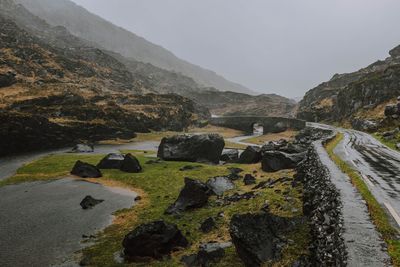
[
  {"x": 159, "y": 185},
  {"x": 389, "y": 143},
  {"x": 262, "y": 139},
  {"x": 378, "y": 214}
]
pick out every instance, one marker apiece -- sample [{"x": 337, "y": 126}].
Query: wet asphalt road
[
  {"x": 378, "y": 165},
  {"x": 364, "y": 244}
]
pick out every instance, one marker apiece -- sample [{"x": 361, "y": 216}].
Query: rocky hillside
[
  {"x": 56, "y": 89},
  {"x": 351, "y": 97},
  {"x": 90, "y": 27},
  {"x": 236, "y": 104}
]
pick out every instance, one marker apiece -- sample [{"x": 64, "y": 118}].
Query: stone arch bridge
[{"x": 270, "y": 124}]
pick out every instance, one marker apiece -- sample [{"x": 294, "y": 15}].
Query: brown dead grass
[{"x": 259, "y": 140}]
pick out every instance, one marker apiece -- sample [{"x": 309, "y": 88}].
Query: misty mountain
[
  {"x": 95, "y": 29},
  {"x": 360, "y": 94},
  {"x": 55, "y": 89}
]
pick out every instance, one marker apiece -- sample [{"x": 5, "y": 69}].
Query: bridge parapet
[{"x": 270, "y": 124}]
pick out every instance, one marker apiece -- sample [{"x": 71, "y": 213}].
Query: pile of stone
[{"x": 322, "y": 206}]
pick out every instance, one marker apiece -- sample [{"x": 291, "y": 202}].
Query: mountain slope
[
  {"x": 93, "y": 28},
  {"x": 359, "y": 95},
  {"x": 56, "y": 90}
]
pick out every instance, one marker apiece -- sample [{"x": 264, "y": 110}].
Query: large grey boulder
[
  {"x": 252, "y": 154},
  {"x": 111, "y": 161},
  {"x": 85, "y": 170},
  {"x": 195, "y": 148},
  {"x": 258, "y": 238},
  {"x": 231, "y": 155},
  {"x": 193, "y": 195},
  {"x": 153, "y": 240},
  {"x": 276, "y": 160}
]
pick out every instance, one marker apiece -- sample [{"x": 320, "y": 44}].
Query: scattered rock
[
  {"x": 235, "y": 170},
  {"x": 391, "y": 110},
  {"x": 231, "y": 155},
  {"x": 111, "y": 161},
  {"x": 258, "y": 237},
  {"x": 190, "y": 167},
  {"x": 130, "y": 164},
  {"x": 85, "y": 170},
  {"x": 219, "y": 185},
  {"x": 7, "y": 79},
  {"x": 89, "y": 202},
  {"x": 193, "y": 195},
  {"x": 275, "y": 160},
  {"x": 208, "y": 225},
  {"x": 138, "y": 198},
  {"x": 154, "y": 240},
  {"x": 82, "y": 148},
  {"x": 195, "y": 148},
  {"x": 398, "y": 146},
  {"x": 364, "y": 125},
  {"x": 249, "y": 179},
  {"x": 252, "y": 154},
  {"x": 208, "y": 253}
]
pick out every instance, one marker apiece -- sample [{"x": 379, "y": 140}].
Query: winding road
[{"x": 377, "y": 164}]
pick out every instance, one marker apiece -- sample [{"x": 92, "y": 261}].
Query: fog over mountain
[{"x": 284, "y": 47}]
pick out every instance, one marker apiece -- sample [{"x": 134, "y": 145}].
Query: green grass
[
  {"x": 378, "y": 214},
  {"x": 390, "y": 143},
  {"x": 159, "y": 185}
]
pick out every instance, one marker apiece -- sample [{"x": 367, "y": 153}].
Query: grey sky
[{"x": 279, "y": 46}]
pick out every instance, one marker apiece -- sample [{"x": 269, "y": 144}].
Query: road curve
[{"x": 377, "y": 164}]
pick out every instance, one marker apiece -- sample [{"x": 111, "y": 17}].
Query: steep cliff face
[{"x": 362, "y": 94}]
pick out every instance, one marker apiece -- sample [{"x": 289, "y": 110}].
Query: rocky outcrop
[
  {"x": 259, "y": 238},
  {"x": 68, "y": 91},
  {"x": 111, "y": 161},
  {"x": 322, "y": 206},
  {"x": 193, "y": 195},
  {"x": 85, "y": 170},
  {"x": 153, "y": 240},
  {"x": 195, "y": 148},
  {"x": 358, "y": 95},
  {"x": 364, "y": 125}
]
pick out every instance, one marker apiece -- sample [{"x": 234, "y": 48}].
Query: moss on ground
[
  {"x": 159, "y": 185},
  {"x": 378, "y": 214}
]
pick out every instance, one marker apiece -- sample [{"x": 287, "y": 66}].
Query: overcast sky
[{"x": 272, "y": 46}]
